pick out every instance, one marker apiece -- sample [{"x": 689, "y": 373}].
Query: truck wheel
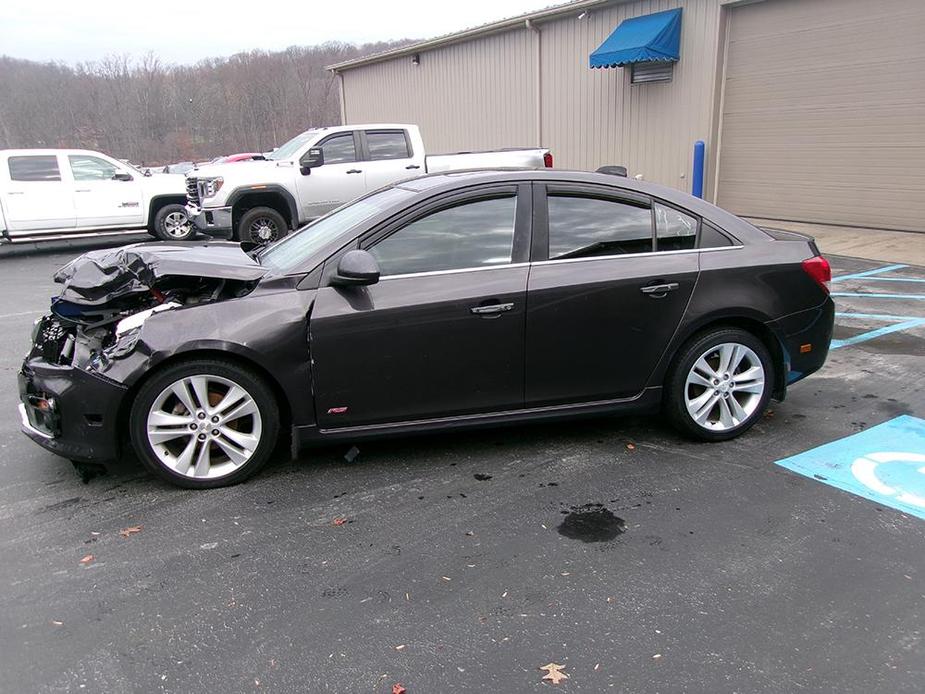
[
  {"x": 171, "y": 223},
  {"x": 261, "y": 225},
  {"x": 204, "y": 423}
]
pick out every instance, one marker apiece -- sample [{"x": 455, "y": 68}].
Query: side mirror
[
  {"x": 312, "y": 159},
  {"x": 121, "y": 176},
  {"x": 356, "y": 268}
]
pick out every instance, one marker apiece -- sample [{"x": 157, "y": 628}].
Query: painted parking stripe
[
  {"x": 878, "y": 332},
  {"x": 874, "y": 316},
  {"x": 916, "y": 297},
  {"x": 885, "y": 464},
  {"x": 894, "y": 279},
  {"x": 869, "y": 273}
]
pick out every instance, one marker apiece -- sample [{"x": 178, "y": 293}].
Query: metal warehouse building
[{"x": 811, "y": 110}]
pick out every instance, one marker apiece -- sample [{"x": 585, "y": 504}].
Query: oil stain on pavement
[{"x": 591, "y": 523}]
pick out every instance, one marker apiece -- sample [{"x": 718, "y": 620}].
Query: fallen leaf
[
  {"x": 87, "y": 559},
  {"x": 128, "y": 532},
  {"x": 398, "y": 689},
  {"x": 340, "y": 521},
  {"x": 554, "y": 673}
]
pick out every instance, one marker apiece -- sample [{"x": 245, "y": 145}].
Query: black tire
[
  {"x": 253, "y": 385},
  {"x": 163, "y": 228},
  {"x": 674, "y": 402},
  {"x": 259, "y": 220}
]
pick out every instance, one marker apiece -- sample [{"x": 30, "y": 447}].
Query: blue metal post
[{"x": 697, "y": 179}]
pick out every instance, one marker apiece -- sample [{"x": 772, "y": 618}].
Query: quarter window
[
  {"x": 388, "y": 144},
  {"x": 339, "y": 149},
  {"x": 34, "y": 168},
  {"x": 583, "y": 227},
  {"x": 674, "y": 230},
  {"x": 711, "y": 237},
  {"x": 471, "y": 235},
  {"x": 87, "y": 168}
]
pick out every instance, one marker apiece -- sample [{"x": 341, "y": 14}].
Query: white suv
[{"x": 56, "y": 193}]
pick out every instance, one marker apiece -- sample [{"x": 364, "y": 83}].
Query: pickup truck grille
[{"x": 192, "y": 190}]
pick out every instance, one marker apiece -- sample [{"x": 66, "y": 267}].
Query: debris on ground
[
  {"x": 591, "y": 523},
  {"x": 482, "y": 477},
  {"x": 554, "y": 673},
  {"x": 631, "y": 446},
  {"x": 340, "y": 520},
  {"x": 87, "y": 559},
  {"x": 398, "y": 689},
  {"x": 132, "y": 530},
  {"x": 88, "y": 471},
  {"x": 352, "y": 454}
]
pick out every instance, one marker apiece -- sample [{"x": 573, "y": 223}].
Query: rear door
[
  {"x": 390, "y": 157},
  {"x": 442, "y": 332},
  {"x": 604, "y": 296},
  {"x": 341, "y": 179},
  {"x": 35, "y": 197},
  {"x": 99, "y": 198}
]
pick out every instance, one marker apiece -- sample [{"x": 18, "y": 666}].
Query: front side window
[
  {"x": 34, "y": 168},
  {"x": 584, "y": 227},
  {"x": 470, "y": 235},
  {"x": 674, "y": 230},
  {"x": 87, "y": 168},
  {"x": 339, "y": 149},
  {"x": 387, "y": 144}
]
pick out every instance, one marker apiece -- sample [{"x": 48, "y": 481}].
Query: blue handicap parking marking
[{"x": 885, "y": 464}]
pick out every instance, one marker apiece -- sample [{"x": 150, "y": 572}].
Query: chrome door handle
[
  {"x": 491, "y": 309},
  {"x": 355, "y": 171},
  {"x": 656, "y": 289}
]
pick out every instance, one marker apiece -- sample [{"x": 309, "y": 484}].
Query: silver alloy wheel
[
  {"x": 724, "y": 386},
  {"x": 204, "y": 426},
  {"x": 263, "y": 230},
  {"x": 177, "y": 225}
]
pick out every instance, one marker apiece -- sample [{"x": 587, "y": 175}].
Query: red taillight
[
  {"x": 819, "y": 269},
  {"x": 547, "y": 160}
]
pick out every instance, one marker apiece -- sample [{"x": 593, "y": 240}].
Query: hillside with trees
[{"x": 152, "y": 113}]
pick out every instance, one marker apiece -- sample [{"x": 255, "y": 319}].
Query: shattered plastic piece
[
  {"x": 397, "y": 688},
  {"x": 339, "y": 521},
  {"x": 352, "y": 454},
  {"x": 128, "y": 532},
  {"x": 87, "y": 559},
  {"x": 100, "y": 276}
]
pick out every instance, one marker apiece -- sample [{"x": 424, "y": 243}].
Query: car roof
[{"x": 452, "y": 180}]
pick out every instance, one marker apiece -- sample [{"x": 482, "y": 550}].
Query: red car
[{"x": 245, "y": 156}]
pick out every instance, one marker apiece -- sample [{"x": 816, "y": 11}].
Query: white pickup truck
[
  {"x": 261, "y": 201},
  {"x": 50, "y": 194}
]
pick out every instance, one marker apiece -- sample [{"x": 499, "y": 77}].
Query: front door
[
  {"x": 607, "y": 294},
  {"x": 442, "y": 332},
  {"x": 35, "y": 197},
  {"x": 340, "y": 179},
  {"x": 100, "y": 198}
]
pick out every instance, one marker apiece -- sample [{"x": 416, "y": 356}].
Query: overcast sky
[{"x": 184, "y": 32}]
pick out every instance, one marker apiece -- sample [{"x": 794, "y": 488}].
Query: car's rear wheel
[
  {"x": 720, "y": 384},
  {"x": 262, "y": 225},
  {"x": 171, "y": 223},
  {"x": 204, "y": 423}
]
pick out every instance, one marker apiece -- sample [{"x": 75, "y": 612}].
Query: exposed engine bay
[{"x": 108, "y": 295}]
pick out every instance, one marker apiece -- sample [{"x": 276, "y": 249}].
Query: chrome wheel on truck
[{"x": 204, "y": 423}]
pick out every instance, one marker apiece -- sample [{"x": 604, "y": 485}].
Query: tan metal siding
[
  {"x": 473, "y": 95},
  {"x": 481, "y": 94},
  {"x": 824, "y": 112}
]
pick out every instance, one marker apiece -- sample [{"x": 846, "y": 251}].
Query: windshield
[
  {"x": 293, "y": 251},
  {"x": 294, "y": 145}
]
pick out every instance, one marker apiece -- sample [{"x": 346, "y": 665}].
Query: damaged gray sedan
[{"x": 447, "y": 301}]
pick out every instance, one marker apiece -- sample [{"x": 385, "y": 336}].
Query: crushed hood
[{"x": 101, "y": 276}]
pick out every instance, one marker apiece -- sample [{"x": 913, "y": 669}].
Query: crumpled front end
[{"x": 70, "y": 401}]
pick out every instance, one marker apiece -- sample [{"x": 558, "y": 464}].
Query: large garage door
[{"x": 824, "y": 112}]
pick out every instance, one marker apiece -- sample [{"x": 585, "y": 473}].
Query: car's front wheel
[
  {"x": 261, "y": 225},
  {"x": 720, "y": 384},
  {"x": 171, "y": 223},
  {"x": 204, "y": 423}
]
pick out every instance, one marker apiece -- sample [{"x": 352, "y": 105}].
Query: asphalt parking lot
[{"x": 466, "y": 562}]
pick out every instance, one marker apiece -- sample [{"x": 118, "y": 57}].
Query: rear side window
[
  {"x": 34, "y": 168},
  {"x": 339, "y": 149},
  {"x": 674, "y": 230},
  {"x": 471, "y": 235},
  {"x": 711, "y": 237},
  {"x": 387, "y": 144},
  {"x": 583, "y": 227}
]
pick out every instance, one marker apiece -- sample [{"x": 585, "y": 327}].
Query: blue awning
[{"x": 652, "y": 37}]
